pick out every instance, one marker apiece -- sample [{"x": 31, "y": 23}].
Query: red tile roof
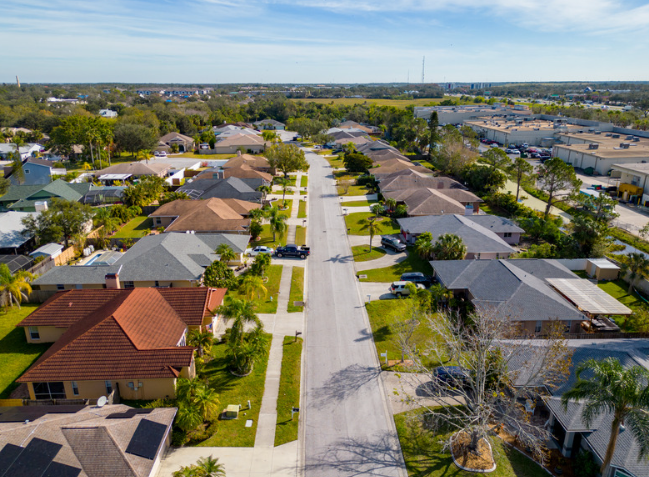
[{"x": 123, "y": 334}]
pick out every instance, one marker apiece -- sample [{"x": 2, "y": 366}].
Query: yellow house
[{"x": 129, "y": 342}]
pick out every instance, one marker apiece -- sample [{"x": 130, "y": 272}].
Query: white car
[
  {"x": 253, "y": 252},
  {"x": 160, "y": 154}
]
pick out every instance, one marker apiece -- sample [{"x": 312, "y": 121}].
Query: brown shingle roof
[
  {"x": 417, "y": 181},
  {"x": 210, "y": 215},
  {"x": 428, "y": 201},
  {"x": 259, "y": 162},
  {"x": 241, "y": 140},
  {"x": 137, "y": 169},
  {"x": 394, "y": 165},
  {"x": 246, "y": 172}
]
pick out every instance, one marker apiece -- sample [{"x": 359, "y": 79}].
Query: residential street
[{"x": 347, "y": 423}]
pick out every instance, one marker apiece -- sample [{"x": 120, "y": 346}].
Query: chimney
[
  {"x": 112, "y": 281},
  {"x": 238, "y": 153},
  {"x": 468, "y": 209}
]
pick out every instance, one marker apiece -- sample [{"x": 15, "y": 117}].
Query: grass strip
[{"x": 297, "y": 290}]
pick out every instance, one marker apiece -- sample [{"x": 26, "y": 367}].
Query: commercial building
[
  {"x": 535, "y": 132},
  {"x": 460, "y": 114}
]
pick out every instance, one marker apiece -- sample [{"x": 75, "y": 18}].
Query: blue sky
[{"x": 322, "y": 41}]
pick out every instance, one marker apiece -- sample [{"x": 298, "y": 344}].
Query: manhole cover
[{"x": 298, "y": 303}]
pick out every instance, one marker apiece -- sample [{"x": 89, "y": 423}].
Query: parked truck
[{"x": 292, "y": 251}]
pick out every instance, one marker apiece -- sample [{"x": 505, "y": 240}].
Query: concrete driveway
[{"x": 371, "y": 291}]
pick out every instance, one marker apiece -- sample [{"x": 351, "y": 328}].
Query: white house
[{"x": 107, "y": 113}]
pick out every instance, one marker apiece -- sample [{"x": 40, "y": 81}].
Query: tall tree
[
  {"x": 424, "y": 245},
  {"x": 252, "y": 285},
  {"x": 433, "y": 125},
  {"x": 225, "y": 253},
  {"x": 201, "y": 340},
  {"x": 62, "y": 220},
  {"x": 496, "y": 157},
  {"x": 636, "y": 265},
  {"x": 619, "y": 392},
  {"x": 17, "y": 169},
  {"x": 449, "y": 247},
  {"x": 519, "y": 172},
  {"x": 284, "y": 183},
  {"x": 277, "y": 223},
  {"x": 15, "y": 287},
  {"x": 286, "y": 158},
  {"x": 559, "y": 181}
]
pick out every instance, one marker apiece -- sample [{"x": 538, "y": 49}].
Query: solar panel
[
  {"x": 34, "y": 459},
  {"x": 147, "y": 439},
  {"x": 128, "y": 414},
  {"x": 31, "y": 413},
  {"x": 61, "y": 470},
  {"x": 8, "y": 455}
]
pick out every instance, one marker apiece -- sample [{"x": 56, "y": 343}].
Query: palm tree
[
  {"x": 197, "y": 401},
  {"x": 449, "y": 247},
  {"x": 200, "y": 340},
  {"x": 373, "y": 226},
  {"x": 104, "y": 217},
  {"x": 391, "y": 204},
  {"x": 277, "y": 223},
  {"x": 242, "y": 312},
  {"x": 17, "y": 169},
  {"x": 424, "y": 245},
  {"x": 206, "y": 401},
  {"x": 253, "y": 285},
  {"x": 187, "y": 418},
  {"x": 225, "y": 253},
  {"x": 637, "y": 266},
  {"x": 16, "y": 287},
  {"x": 210, "y": 467},
  {"x": 243, "y": 347},
  {"x": 614, "y": 390},
  {"x": 284, "y": 183}
]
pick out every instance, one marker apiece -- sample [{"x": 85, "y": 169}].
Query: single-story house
[
  {"x": 247, "y": 172},
  {"x": 383, "y": 155},
  {"x": 429, "y": 201},
  {"x": 232, "y": 128},
  {"x": 250, "y": 143},
  {"x": 184, "y": 143},
  {"x": 107, "y": 113},
  {"x": 531, "y": 292},
  {"x": 355, "y": 125},
  {"x": 411, "y": 179},
  {"x": 230, "y": 188},
  {"x": 259, "y": 163},
  {"x": 37, "y": 172},
  {"x": 390, "y": 166},
  {"x": 7, "y": 150},
  {"x": 85, "y": 441},
  {"x": 12, "y": 238},
  {"x": 49, "y": 250},
  {"x": 269, "y": 124},
  {"x": 210, "y": 216},
  {"x": 480, "y": 242},
  {"x": 25, "y": 198},
  {"x": 175, "y": 260},
  {"x": 134, "y": 340},
  {"x": 132, "y": 170}
]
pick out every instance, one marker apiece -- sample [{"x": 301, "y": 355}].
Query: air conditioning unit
[{"x": 593, "y": 146}]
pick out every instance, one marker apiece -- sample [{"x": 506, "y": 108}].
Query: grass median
[
  {"x": 301, "y": 211},
  {"x": 300, "y": 235},
  {"x": 354, "y": 222},
  {"x": 304, "y": 181},
  {"x": 297, "y": 290},
  {"x": 412, "y": 263},
  {"x": 289, "y": 391},
  {"x": 362, "y": 253}
]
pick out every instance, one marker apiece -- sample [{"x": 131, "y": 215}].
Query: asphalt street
[{"x": 348, "y": 427}]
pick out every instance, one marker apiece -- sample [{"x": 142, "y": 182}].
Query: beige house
[
  {"x": 131, "y": 342},
  {"x": 184, "y": 143},
  {"x": 250, "y": 143}
]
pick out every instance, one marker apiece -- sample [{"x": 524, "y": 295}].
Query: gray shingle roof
[
  {"x": 230, "y": 188},
  {"x": 506, "y": 287},
  {"x": 477, "y": 239},
  {"x": 164, "y": 257}
]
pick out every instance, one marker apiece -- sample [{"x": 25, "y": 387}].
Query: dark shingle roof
[{"x": 230, "y": 188}]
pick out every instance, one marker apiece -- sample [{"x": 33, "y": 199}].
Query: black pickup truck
[{"x": 292, "y": 251}]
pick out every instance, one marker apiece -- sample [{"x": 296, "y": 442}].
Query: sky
[{"x": 322, "y": 41}]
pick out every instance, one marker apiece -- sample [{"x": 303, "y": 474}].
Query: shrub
[
  {"x": 585, "y": 465},
  {"x": 220, "y": 276}
]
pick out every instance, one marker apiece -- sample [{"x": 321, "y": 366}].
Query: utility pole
[{"x": 423, "y": 67}]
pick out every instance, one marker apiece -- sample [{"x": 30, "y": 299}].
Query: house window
[
  {"x": 158, "y": 221},
  {"x": 27, "y": 171},
  {"x": 508, "y": 234},
  {"x": 60, "y": 287},
  {"x": 568, "y": 325},
  {"x": 636, "y": 180},
  {"x": 109, "y": 387},
  {"x": 538, "y": 327},
  {"x": 129, "y": 284},
  {"x": 157, "y": 283},
  {"x": 33, "y": 333},
  {"x": 75, "y": 388},
  {"x": 49, "y": 391}
]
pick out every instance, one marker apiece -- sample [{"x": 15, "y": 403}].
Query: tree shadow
[
  {"x": 378, "y": 455},
  {"x": 383, "y": 333},
  {"x": 344, "y": 383},
  {"x": 339, "y": 259}
]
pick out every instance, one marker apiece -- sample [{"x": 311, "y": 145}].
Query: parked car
[
  {"x": 512, "y": 151},
  {"x": 417, "y": 277},
  {"x": 293, "y": 251},
  {"x": 451, "y": 375},
  {"x": 400, "y": 289},
  {"x": 253, "y": 252},
  {"x": 494, "y": 144},
  {"x": 393, "y": 243},
  {"x": 160, "y": 154}
]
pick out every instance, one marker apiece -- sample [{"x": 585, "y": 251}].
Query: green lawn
[
  {"x": 300, "y": 235},
  {"x": 354, "y": 224},
  {"x": 385, "y": 317},
  {"x": 266, "y": 238},
  {"x": 359, "y": 203},
  {"x": 335, "y": 162},
  {"x": 422, "y": 452},
  {"x": 289, "y": 202},
  {"x": 390, "y": 274},
  {"x": 289, "y": 391},
  {"x": 16, "y": 355},
  {"x": 203, "y": 156},
  {"x": 353, "y": 191},
  {"x": 301, "y": 211},
  {"x": 304, "y": 181},
  {"x": 235, "y": 390},
  {"x": 297, "y": 290},
  {"x": 274, "y": 274},
  {"x": 135, "y": 228},
  {"x": 291, "y": 182},
  {"x": 324, "y": 152},
  {"x": 618, "y": 290},
  {"x": 362, "y": 253}
]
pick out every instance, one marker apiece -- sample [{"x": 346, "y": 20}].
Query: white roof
[
  {"x": 114, "y": 177},
  {"x": 603, "y": 263},
  {"x": 11, "y": 227},
  {"x": 588, "y": 297},
  {"x": 51, "y": 249}
]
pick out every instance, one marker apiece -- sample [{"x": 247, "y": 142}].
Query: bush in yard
[
  {"x": 220, "y": 276},
  {"x": 366, "y": 180},
  {"x": 256, "y": 229},
  {"x": 260, "y": 264},
  {"x": 585, "y": 465},
  {"x": 355, "y": 162}
]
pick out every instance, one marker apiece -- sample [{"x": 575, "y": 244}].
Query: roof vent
[
  {"x": 608, "y": 134},
  {"x": 593, "y": 146},
  {"x": 624, "y": 145},
  {"x": 636, "y": 139},
  {"x": 615, "y": 136}
]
